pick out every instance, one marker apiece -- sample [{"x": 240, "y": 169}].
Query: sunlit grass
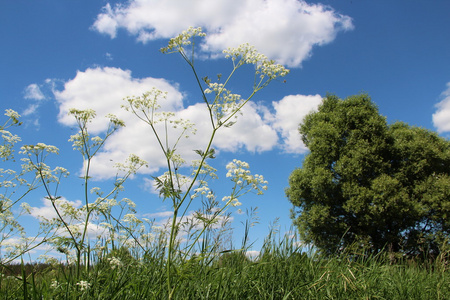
[{"x": 281, "y": 271}]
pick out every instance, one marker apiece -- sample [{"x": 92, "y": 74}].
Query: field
[
  {"x": 281, "y": 271},
  {"x": 191, "y": 256}
]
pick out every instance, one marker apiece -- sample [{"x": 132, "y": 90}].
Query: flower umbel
[
  {"x": 84, "y": 285},
  {"x": 267, "y": 69},
  {"x": 115, "y": 262},
  {"x": 184, "y": 39},
  {"x": 244, "y": 181}
]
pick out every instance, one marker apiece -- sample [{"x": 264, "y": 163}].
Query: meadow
[
  {"x": 280, "y": 271},
  {"x": 192, "y": 256}
]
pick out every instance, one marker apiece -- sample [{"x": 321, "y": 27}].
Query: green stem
[{"x": 172, "y": 238}]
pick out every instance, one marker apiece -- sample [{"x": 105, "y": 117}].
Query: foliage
[{"x": 370, "y": 183}]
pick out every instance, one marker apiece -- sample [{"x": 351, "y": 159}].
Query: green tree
[{"x": 368, "y": 183}]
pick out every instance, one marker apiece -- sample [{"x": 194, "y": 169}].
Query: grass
[{"x": 280, "y": 272}]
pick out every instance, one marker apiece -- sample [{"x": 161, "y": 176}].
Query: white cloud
[
  {"x": 163, "y": 214},
  {"x": 103, "y": 89},
  {"x": 284, "y": 30},
  {"x": 289, "y": 113},
  {"x": 250, "y": 132},
  {"x": 33, "y": 92},
  {"x": 441, "y": 118},
  {"x": 30, "y": 110}
]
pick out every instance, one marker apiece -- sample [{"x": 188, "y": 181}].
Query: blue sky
[{"x": 56, "y": 55}]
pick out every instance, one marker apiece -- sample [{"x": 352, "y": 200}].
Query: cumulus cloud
[
  {"x": 441, "y": 118},
  {"x": 251, "y": 132},
  {"x": 289, "y": 112},
  {"x": 102, "y": 89},
  {"x": 284, "y": 30}
]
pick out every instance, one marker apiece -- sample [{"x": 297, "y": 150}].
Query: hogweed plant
[
  {"x": 223, "y": 107},
  {"x": 14, "y": 187},
  {"x": 187, "y": 236},
  {"x": 71, "y": 225}
]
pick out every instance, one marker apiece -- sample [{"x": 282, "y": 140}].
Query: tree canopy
[{"x": 368, "y": 183}]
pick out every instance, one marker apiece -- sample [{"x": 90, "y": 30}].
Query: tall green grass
[{"x": 281, "y": 271}]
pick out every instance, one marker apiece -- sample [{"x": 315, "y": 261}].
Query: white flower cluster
[
  {"x": 55, "y": 284},
  {"x": 171, "y": 182},
  {"x": 147, "y": 102},
  {"x": 78, "y": 141},
  {"x": 85, "y": 115},
  {"x": 183, "y": 39},
  {"x": 115, "y": 262},
  {"x": 146, "y": 107},
  {"x": 49, "y": 260},
  {"x": 244, "y": 181},
  {"x": 206, "y": 169},
  {"x": 8, "y": 177},
  {"x": 9, "y": 140},
  {"x": 43, "y": 171},
  {"x": 247, "y": 54},
  {"x": 129, "y": 202},
  {"x": 131, "y": 219},
  {"x": 115, "y": 121},
  {"x": 132, "y": 164},
  {"x": 203, "y": 190},
  {"x": 38, "y": 149},
  {"x": 13, "y": 115},
  {"x": 84, "y": 285},
  {"x": 224, "y": 102},
  {"x": 105, "y": 204},
  {"x": 82, "y": 141},
  {"x": 231, "y": 201},
  {"x": 146, "y": 238}
]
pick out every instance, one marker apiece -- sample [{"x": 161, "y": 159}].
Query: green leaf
[
  {"x": 211, "y": 153},
  {"x": 229, "y": 124},
  {"x": 199, "y": 152}
]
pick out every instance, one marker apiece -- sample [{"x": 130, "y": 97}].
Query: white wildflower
[
  {"x": 177, "y": 43},
  {"x": 55, "y": 284},
  {"x": 115, "y": 262},
  {"x": 84, "y": 285},
  {"x": 131, "y": 218}
]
